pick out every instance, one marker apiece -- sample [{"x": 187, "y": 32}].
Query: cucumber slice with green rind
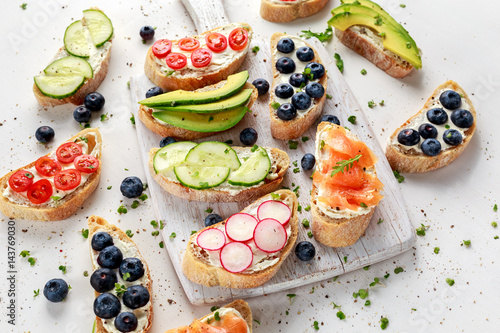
[
  {"x": 59, "y": 87},
  {"x": 70, "y": 66},
  {"x": 253, "y": 171},
  {"x": 75, "y": 41},
  {"x": 213, "y": 153},
  {"x": 171, "y": 155},
  {"x": 201, "y": 177},
  {"x": 100, "y": 26}
]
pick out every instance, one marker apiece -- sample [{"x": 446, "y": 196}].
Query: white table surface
[{"x": 458, "y": 42}]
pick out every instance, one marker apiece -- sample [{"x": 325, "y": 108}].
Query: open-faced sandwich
[{"x": 289, "y": 10}]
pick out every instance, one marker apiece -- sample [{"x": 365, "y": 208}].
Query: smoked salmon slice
[{"x": 229, "y": 323}]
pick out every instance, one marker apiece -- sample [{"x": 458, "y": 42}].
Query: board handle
[{"x": 206, "y": 14}]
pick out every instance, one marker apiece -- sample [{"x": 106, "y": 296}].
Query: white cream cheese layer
[
  {"x": 222, "y": 312},
  {"x": 286, "y": 2}
]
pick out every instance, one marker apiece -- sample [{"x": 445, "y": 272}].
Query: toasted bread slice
[
  {"x": 97, "y": 224},
  {"x": 286, "y": 11},
  {"x": 146, "y": 116},
  {"x": 413, "y": 160},
  {"x": 190, "y": 78},
  {"x": 199, "y": 270},
  {"x": 22, "y": 208}
]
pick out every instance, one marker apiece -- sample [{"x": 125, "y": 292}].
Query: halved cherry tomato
[
  {"x": 21, "y": 180},
  {"x": 47, "y": 166},
  {"x": 40, "y": 191},
  {"x": 162, "y": 47},
  {"x": 238, "y": 39},
  {"x": 189, "y": 44},
  {"x": 216, "y": 42},
  {"x": 86, "y": 163},
  {"x": 66, "y": 153},
  {"x": 67, "y": 179},
  {"x": 176, "y": 60},
  {"x": 201, "y": 57}
]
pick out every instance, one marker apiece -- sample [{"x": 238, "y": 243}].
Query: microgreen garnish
[
  {"x": 155, "y": 233},
  {"x": 213, "y": 308},
  {"x": 275, "y": 196},
  {"x": 305, "y": 223},
  {"x": 255, "y": 49},
  {"x": 375, "y": 282},
  {"x": 23, "y": 7},
  {"x": 307, "y": 208},
  {"x": 62, "y": 269},
  {"x": 321, "y": 36},
  {"x": 126, "y": 276},
  {"x": 305, "y": 139},
  {"x": 36, "y": 293},
  {"x": 494, "y": 224},
  {"x": 293, "y": 144},
  {"x": 310, "y": 234},
  {"x": 316, "y": 325},
  {"x": 368, "y": 303},
  {"x": 134, "y": 204},
  {"x": 132, "y": 119},
  {"x": 363, "y": 205},
  {"x": 122, "y": 210},
  {"x": 495, "y": 208},
  {"x": 344, "y": 165},
  {"x": 258, "y": 322},
  {"x": 120, "y": 289},
  {"x": 366, "y": 267},
  {"x": 193, "y": 232},
  {"x": 363, "y": 71},
  {"x": 398, "y": 270},
  {"x": 380, "y": 221},
  {"x": 254, "y": 148},
  {"x": 161, "y": 244},
  {"x": 307, "y": 73},
  {"x": 436, "y": 250},
  {"x": 384, "y": 322},
  {"x": 328, "y": 96},
  {"x": 109, "y": 187},
  {"x": 24, "y": 254},
  {"x": 275, "y": 105},
  {"x": 55, "y": 198},
  {"x": 421, "y": 230},
  {"x": 104, "y": 117},
  {"x": 129, "y": 233},
  {"x": 450, "y": 282},
  {"x": 352, "y": 119},
  {"x": 340, "y": 315},
  {"x": 402, "y": 5},
  {"x": 398, "y": 176},
  {"x": 32, "y": 261},
  {"x": 339, "y": 62},
  {"x": 371, "y": 104},
  {"x": 172, "y": 235},
  {"x": 466, "y": 242},
  {"x": 143, "y": 197}
]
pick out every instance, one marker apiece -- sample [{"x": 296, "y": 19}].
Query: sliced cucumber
[
  {"x": 59, "y": 87},
  {"x": 213, "y": 153},
  {"x": 200, "y": 177},
  {"x": 100, "y": 27},
  {"x": 75, "y": 41},
  {"x": 170, "y": 156},
  {"x": 70, "y": 66},
  {"x": 253, "y": 170}
]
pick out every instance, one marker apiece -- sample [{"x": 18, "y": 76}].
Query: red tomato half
[
  {"x": 176, "y": 60},
  {"x": 21, "y": 180},
  {"x": 66, "y": 153},
  {"x": 201, "y": 58},
  {"x": 238, "y": 39},
  {"x": 189, "y": 44},
  {"x": 67, "y": 179},
  {"x": 162, "y": 47},
  {"x": 216, "y": 42},
  {"x": 47, "y": 166},
  {"x": 86, "y": 163},
  {"x": 40, "y": 191}
]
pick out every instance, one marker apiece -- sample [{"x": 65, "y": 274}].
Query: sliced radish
[
  {"x": 270, "y": 235},
  {"x": 235, "y": 257},
  {"x": 240, "y": 227},
  {"x": 211, "y": 239},
  {"x": 275, "y": 210}
]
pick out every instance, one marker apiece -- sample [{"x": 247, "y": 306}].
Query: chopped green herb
[
  {"x": 55, "y": 198},
  {"x": 62, "y": 269},
  {"x": 307, "y": 208},
  {"x": 402, "y": 5},
  {"x": 344, "y": 165},
  {"x": 82, "y": 138},
  {"x": 286, "y": 312},
  {"x": 339, "y": 62},
  {"x": 328, "y": 96},
  {"x": 296, "y": 170},
  {"x": 366, "y": 267},
  {"x": 321, "y": 144},
  {"x": 275, "y": 196},
  {"x": 467, "y": 242},
  {"x": 368, "y": 303},
  {"x": 310, "y": 234},
  {"x": 85, "y": 233},
  {"x": 363, "y": 205},
  {"x": 312, "y": 291},
  {"x": 23, "y": 7},
  {"x": 209, "y": 210},
  {"x": 109, "y": 187},
  {"x": 32, "y": 261},
  {"x": 382, "y": 103},
  {"x": 352, "y": 119},
  {"x": 291, "y": 297},
  {"x": 299, "y": 208},
  {"x": 255, "y": 49},
  {"x": 380, "y": 220},
  {"x": 104, "y": 117},
  {"x": 447, "y": 126},
  {"x": 375, "y": 282},
  {"x": 126, "y": 276},
  {"x": 305, "y": 223},
  {"x": 24, "y": 254},
  {"x": 305, "y": 139},
  {"x": 378, "y": 21},
  {"x": 193, "y": 232},
  {"x": 258, "y": 322},
  {"x": 128, "y": 84},
  {"x": 496, "y": 237},
  {"x": 495, "y": 208},
  {"x": 363, "y": 293},
  {"x": 384, "y": 322},
  {"x": 143, "y": 197},
  {"x": 335, "y": 278},
  {"x": 155, "y": 233},
  {"x": 134, "y": 204},
  {"x": 293, "y": 144},
  {"x": 36, "y": 293},
  {"x": 371, "y": 104},
  {"x": 321, "y": 36},
  {"x": 345, "y": 258},
  {"x": 168, "y": 73},
  {"x": 154, "y": 224},
  {"x": 436, "y": 250},
  {"x": 129, "y": 233},
  {"x": 162, "y": 225},
  {"x": 307, "y": 73},
  {"x": 421, "y": 230},
  {"x": 387, "y": 276},
  {"x": 122, "y": 210},
  {"x": 494, "y": 224},
  {"x": 213, "y": 308},
  {"x": 398, "y": 270},
  {"x": 161, "y": 244},
  {"x": 363, "y": 71},
  {"x": 275, "y": 105},
  {"x": 132, "y": 119},
  {"x": 172, "y": 235},
  {"x": 120, "y": 289},
  {"x": 316, "y": 325},
  {"x": 450, "y": 282},
  {"x": 398, "y": 176},
  {"x": 85, "y": 273}
]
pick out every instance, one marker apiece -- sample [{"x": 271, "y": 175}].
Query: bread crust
[
  {"x": 291, "y": 129},
  {"x": 275, "y": 12},
  {"x": 405, "y": 162},
  {"x": 96, "y": 223},
  {"x": 70, "y": 203},
  {"x": 201, "y": 272}
]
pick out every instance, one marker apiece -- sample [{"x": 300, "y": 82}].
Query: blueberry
[
  {"x": 44, "y": 134},
  {"x": 262, "y": 86},
  {"x": 101, "y": 240},
  {"x": 462, "y": 118},
  {"x": 248, "y": 136},
  {"x": 427, "y": 131},
  {"x": 307, "y": 162},
  {"x": 147, "y": 32},
  {"x": 317, "y": 70},
  {"x": 305, "y": 53},
  {"x": 286, "y": 45},
  {"x": 283, "y": 90},
  {"x": 110, "y": 257},
  {"x": 107, "y": 306},
  {"x": 452, "y": 137},
  {"x": 437, "y": 116},
  {"x": 166, "y": 141},
  {"x": 408, "y": 137},
  {"x": 131, "y": 187},
  {"x": 431, "y": 147},
  {"x": 56, "y": 290},
  {"x": 212, "y": 219},
  {"x": 103, "y": 280},
  {"x": 331, "y": 119},
  {"x": 136, "y": 297},
  {"x": 154, "y": 92},
  {"x": 285, "y": 65},
  {"x": 305, "y": 251},
  {"x": 82, "y": 114},
  {"x": 287, "y": 111},
  {"x": 94, "y": 101},
  {"x": 132, "y": 266},
  {"x": 126, "y": 322},
  {"x": 315, "y": 90},
  {"x": 298, "y": 80},
  {"x": 301, "y": 101},
  {"x": 450, "y": 99}
]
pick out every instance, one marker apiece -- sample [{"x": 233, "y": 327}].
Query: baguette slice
[
  {"x": 413, "y": 161},
  {"x": 146, "y": 116},
  {"x": 286, "y": 11},
  {"x": 279, "y": 159},
  {"x": 67, "y": 205},
  {"x": 291, "y": 129},
  {"x": 200, "y": 271},
  {"x": 238, "y": 305},
  {"x": 96, "y": 224},
  {"x": 189, "y": 79}
]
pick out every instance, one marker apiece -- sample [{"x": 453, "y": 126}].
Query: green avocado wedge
[{"x": 233, "y": 85}]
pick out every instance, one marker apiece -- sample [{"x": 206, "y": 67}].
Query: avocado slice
[
  {"x": 233, "y": 84},
  {"x": 203, "y": 122},
  {"x": 223, "y": 105}
]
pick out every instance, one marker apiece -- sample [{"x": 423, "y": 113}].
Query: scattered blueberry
[
  {"x": 287, "y": 111},
  {"x": 450, "y": 99},
  {"x": 315, "y": 90},
  {"x": 155, "y": 91},
  {"x": 166, "y": 141},
  {"x": 408, "y": 137},
  {"x": 94, "y": 101},
  {"x": 100, "y": 240},
  {"x": 298, "y": 80},
  {"x": 103, "y": 280},
  {"x": 82, "y": 114},
  {"x": 305, "y": 251},
  {"x": 106, "y": 306},
  {"x": 147, "y": 32},
  {"x": 131, "y": 187},
  {"x": 285, "y": 65},
  {"x": 134, "y": 267},
  {"x": 301, "y": 101},
  {"x": 44, "y": 134},
  {"x": 136, "y": 297},
  {"x": 331, "y": 119},
  {"x": 305, "y": 53},
  {"x": 212, "y": 219},
  {"x": 431, "y": 147},
  {"x": 462, "y": 118},
  {"x": 262, "y": 86},
  {"x": 437, "y": 116},
  {"x": 283, "y": 90},
  {"x": 427, "y": 131},
  {"x": 56, "y": 290},
  {"x": 248, "y": 136},
  {"x": 126, "y": 322},
  {"x": 452, "y": 137},
  {"x": 286, "y": 45},
  {"x": 307, "y": 162},
  {"x": 110, "y": 257},
  {"x": 317, "y": 70}
]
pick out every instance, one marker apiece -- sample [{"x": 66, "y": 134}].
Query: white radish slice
[
  {"x": 274, "y": 210},
  {"x": 240, "y": 227},
  {"x": 235, "y": 257},
  {"x": 211, "y": 239},
  {"x": 270, "y": 235}
]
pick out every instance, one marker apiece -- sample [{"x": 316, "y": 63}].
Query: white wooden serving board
[{"x": 380, "y": 241}]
